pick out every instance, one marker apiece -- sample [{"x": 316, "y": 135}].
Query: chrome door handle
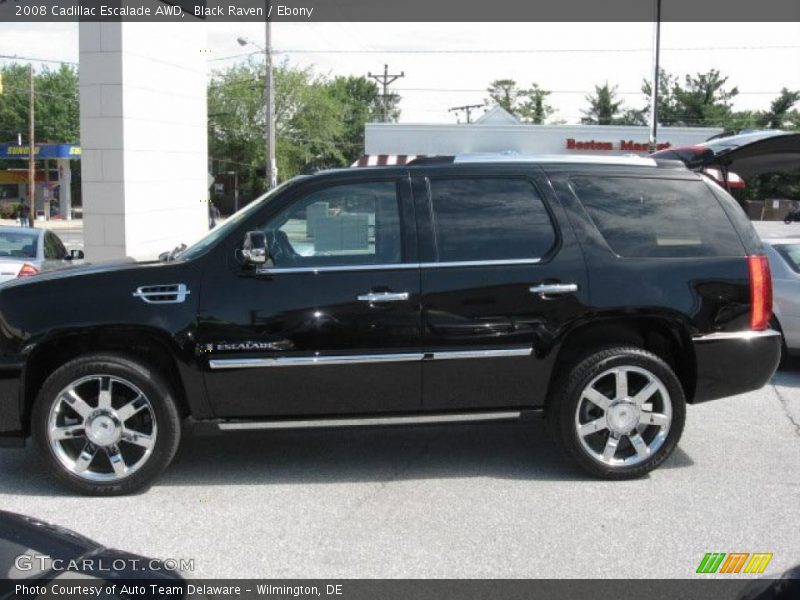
[
  {"x": 375, "y": 297},
  {"x": 554, "y": 289}
]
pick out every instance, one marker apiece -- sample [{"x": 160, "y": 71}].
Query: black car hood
[{"x": 82, "y": 270}]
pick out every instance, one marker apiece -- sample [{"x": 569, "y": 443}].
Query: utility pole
[
  {"x": 385, "y": 81},
  {"x": 31, "y": 155},
  {"x": 467, "y": 108},
  {"x": 656, "y": 75}
]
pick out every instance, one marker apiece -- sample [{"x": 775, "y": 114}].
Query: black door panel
[
  {"x": 333, "y": 326},
  {"x": 486, "y": 334}
]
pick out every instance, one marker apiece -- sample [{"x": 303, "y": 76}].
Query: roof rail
[
  {"x": 627, "y": 160},
  {"x": 431, "y": 160}
]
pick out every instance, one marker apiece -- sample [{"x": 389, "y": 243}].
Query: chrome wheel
[
  {"x": 102, "y": 428},
  {"x": 623, "y": 416}
]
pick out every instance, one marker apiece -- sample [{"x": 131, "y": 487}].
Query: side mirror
[
  {"x": 76, "y": 255},
  {"x": 254, "y": 249}
]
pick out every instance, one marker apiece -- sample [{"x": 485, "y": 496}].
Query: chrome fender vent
[{"x": 171, "y": 293}]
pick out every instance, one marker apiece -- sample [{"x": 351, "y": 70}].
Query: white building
[
  {"x": 143, "y": 136},
  {"x": 499, "y": 131}
]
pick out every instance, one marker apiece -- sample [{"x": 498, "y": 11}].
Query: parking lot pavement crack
[
  {"x": 394, "y": 476},
  {"x": 787, "y": 411}
]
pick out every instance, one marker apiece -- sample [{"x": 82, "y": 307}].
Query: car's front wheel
[
  {"x": 619, "y": 412},
  {"x": 106, "y": 424}
]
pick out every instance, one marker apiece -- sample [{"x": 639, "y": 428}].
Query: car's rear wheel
[
  {"x": 619, "y": 412},
  {"x": 106, "y": 424}
]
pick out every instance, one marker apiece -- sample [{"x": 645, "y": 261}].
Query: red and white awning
[
  {"x": 734, "y": 181},
  {"x": 383, "y": 160}
]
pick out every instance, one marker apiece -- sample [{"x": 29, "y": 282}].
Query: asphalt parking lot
[{"x": 459, "y": 501}]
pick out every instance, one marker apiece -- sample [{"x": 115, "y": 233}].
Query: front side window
[
  {"x": 350, "y": 224},
  {"x": 646, "y": 218},
  {"x": 53, "y": 248},
  {"x": 489, "y": 219}
]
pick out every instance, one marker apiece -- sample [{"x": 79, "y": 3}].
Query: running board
[{"x": 371, "y": 421}]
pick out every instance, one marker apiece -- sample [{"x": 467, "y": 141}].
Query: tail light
[
  {"x": 27, "y": 270},
  {"x": 760, "y": 292}
]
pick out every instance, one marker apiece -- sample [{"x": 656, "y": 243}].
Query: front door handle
[
  {"x": 554, "y": 289},
  {"x": 377, "y": 297}
]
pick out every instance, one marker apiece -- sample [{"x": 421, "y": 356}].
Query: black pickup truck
[{"x": 604, "y": 294}]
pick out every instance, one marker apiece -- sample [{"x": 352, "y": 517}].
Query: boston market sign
[{"x": 622, "y": 146}]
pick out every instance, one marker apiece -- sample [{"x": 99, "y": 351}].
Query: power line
[
  {"x": 509, "y": 50},
  {"x": 32, "y": 59}
]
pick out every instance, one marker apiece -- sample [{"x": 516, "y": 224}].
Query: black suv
[{"x": 604, "y": 294}]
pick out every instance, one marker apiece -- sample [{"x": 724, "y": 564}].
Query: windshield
[
  {"x": 18, "y": 244},
  {"x": 790, "y": 253},
  {"x": 231, "y": 223}
]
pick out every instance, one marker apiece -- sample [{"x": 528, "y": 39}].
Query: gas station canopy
[{"x": 41, "y": 151}]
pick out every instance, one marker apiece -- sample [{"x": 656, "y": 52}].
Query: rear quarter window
[
  {"x": 791, "y": 254},
  {"x": 644, "y": 218}
]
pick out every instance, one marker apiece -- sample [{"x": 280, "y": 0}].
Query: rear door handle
[
  {"x": 377, "y": 297},
  {"x": 554, "y": 289}
]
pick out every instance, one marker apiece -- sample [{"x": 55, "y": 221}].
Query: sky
[{"x": 451, "y": 64}]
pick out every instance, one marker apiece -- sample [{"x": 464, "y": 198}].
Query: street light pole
[
  {"x": 656, "y": 76},
  {"x": 269, "y": 92},
  {"x": 271, "y": 167}
]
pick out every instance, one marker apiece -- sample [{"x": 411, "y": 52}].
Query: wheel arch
[
  {"x": 149, "y": 346},
  {"x": 660, "y": 335}
]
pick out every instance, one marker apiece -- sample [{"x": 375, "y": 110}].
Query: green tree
[
  {"x": 533, "y": 106},
  {"x": 780, "y": 113},
  {"x": 361, "y": 103},
  {"x": 603, "y": 106},
  {"x": 667, "y": 107},
  {"x": 529, "y": 105},
  {"x": 503, "y": 93},
  {"x": 57, "y": 109},
  {"x": 702, "y": 100},
  {"x": 319, "y": 122}
]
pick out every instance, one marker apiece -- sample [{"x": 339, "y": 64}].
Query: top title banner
[{"x": 397, "y": 10}]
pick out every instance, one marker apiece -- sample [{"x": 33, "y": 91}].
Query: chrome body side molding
[
  {"x": 503, "y": 353},
  {"x": 400, "y": 266},
  {"x": 350, "y": 359},
  {"x": 735, "y": 335},
  {"x": 370, "y": 421},
  {"x": 299, "y": 361}
]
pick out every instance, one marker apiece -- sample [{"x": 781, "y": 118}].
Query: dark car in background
[
  {"x": 605, "y": 294},
  {"x": 36, "y": 554}
]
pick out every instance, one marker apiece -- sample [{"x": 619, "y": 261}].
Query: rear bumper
[{"x": 730, "y": 363}]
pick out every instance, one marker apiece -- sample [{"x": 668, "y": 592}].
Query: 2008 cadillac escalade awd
[{"x": 605, "y": 294}]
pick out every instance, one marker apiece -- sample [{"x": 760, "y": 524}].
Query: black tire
[
  {"x": 567, "y": 393},
  {"x": 161, "y": 415}
]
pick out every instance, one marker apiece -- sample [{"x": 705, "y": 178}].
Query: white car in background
[
  {"x": 26, "y": 251},
  {"x": 784, "y": 262}
]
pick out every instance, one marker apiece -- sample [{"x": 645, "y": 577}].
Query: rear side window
[
  {"x": 657, "y": 217},
  {"x": 791, "y": 253},
  {"x": 489, "y": 219}
]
